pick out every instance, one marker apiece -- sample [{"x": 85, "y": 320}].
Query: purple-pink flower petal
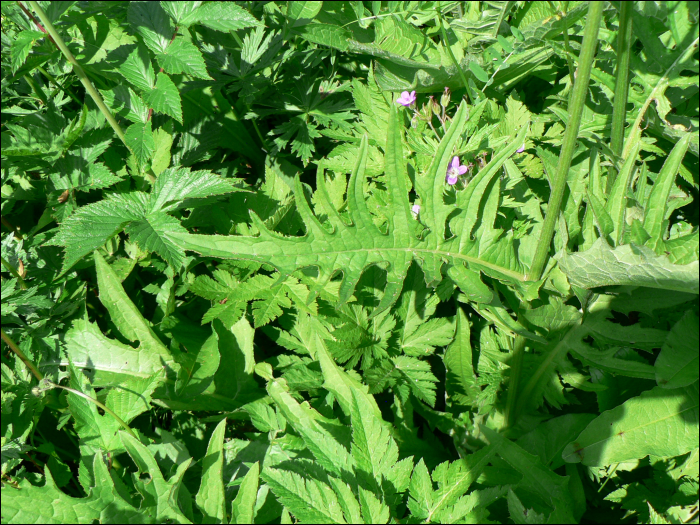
[
  {"x": 462, "y": 170},
  {"x": 406, "y": 98},
  {"x": 416, "y": 209},
  {"x": 520, "y": 149},
  {"x": 452, "y": 179},
  {"x": 455, "y": 163}
]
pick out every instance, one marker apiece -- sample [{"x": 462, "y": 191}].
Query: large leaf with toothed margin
[{"x": 353, "y": 248}]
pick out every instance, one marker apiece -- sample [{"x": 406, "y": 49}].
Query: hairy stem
[
  {"x": 578, "y": 98},
  {"x": 622, "y": 74}
]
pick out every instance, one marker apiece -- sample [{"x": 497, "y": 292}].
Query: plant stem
[
  {"x": 622, "y": 74},
  {"x": 13, "y": 346},
  {"x": 578, "y": 98},
  {"x": 79, "y": 71}
]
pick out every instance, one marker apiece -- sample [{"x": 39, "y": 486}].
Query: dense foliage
[{"x": 350, "y": 262}]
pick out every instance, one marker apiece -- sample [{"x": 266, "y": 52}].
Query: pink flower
[
  {"x": 407, "y": 99},
  {"x": 416, "y": 209},
  {"x": 520, "y": 149},
  {"x": 454, "y": 171}
]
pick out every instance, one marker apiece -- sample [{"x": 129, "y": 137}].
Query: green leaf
[
  {"x": 352, "y": 249},
  {"x": 677, "y": 364},
  {"x": 628, "y": 264},
  {"x": 150, "y": 233},
  {"x": 152, "y": 23},
  {"x": 182, "y": 56},
  {"x": 310, "y": 500},
  {"x": 458, "y": 360},
  {"x": 220, "y": 16},
  {"x": 20, "y": 47},
  {"x": 165, "y": 98},
  {"x": 138, "y": 70},
  {"x": 210, "y": 497},
  {"x": 478, "y": 71},
  {"x": 660, "y": 422},
  {"x": 301, "y": 13},
  {"x": 550, "y": 487},
  {"x": 657, "y": 203},
  {"x": 48, "y": 504},
  {"x": 243, "y": 506},
  {"x": 123, "y": 312},
  {"x": 161, "y": 494},
  {"x": 98, "y": 433},
  {"x": 93, "y": 225},
  {"x": 139, "y": 139}
]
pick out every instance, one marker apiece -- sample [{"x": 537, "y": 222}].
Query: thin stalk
[
  {"x": 446, "y": 43},
  {"x": 578, "y": 98},
  {"x": 14, "y": 273},
  {"x": 79, "y": 71},
  {"x": 13, "y": 346},
  {"x": 97, "y": 403},
  {"x": 622, "y": 74}
]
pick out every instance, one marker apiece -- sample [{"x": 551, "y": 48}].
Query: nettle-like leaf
[
  {"x": 143, "y": 215},
  {"x": 353, "y": 248}
]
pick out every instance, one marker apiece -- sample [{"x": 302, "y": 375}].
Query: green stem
[
  {"x": 446, "y": 43},
  {"x": 578, "y": 98},
  {"x": 622, "y": 74},
  {"x": 100, "y": 405},
  {"x": 13, "y": 346},
  {"x": 79, "y": 71},
  {"x": 14, "y": 273}
]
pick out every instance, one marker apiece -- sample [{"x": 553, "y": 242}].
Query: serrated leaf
[
  {"x": 150, "y": 233},
  {"x": 152, "y": 23},
  {"x": 220, "y": 16},
  {"x": 165, "y": 98},
  {"x": 182, "y": 56},
  {"x": 21, "y": 46},
  {"x": 310, "y": 500},
  {"x": 139, "y": 139},
  {"x": 92, "y": 225},
  {"x": 348, "y": 250},
  {"x": 138, "y": 70}
]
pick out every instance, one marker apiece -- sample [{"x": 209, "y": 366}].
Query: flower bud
[
  {"x": 445, "y": 99},
  {"x": 426, "y": 112},
  {"x": 435, "y": 107}
]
